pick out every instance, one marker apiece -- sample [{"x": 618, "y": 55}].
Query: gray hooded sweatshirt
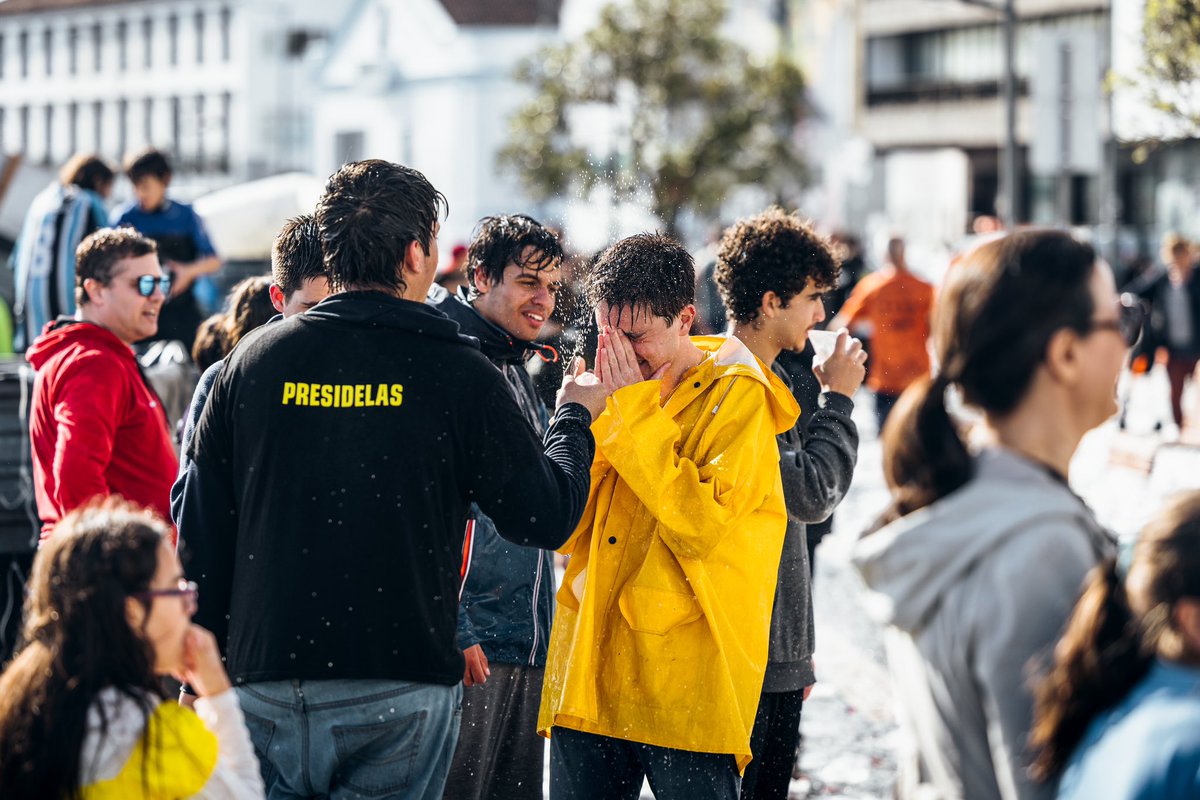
[{"x": 973, "y": 588}]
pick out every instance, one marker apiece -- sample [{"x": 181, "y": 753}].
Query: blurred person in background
[
  {"x": 454, "y": 275},
  {"x": 96, "y": 424},
  {"x": 1118, "y": 717},
  {"x": 891, "y": 307},
  {"x": 849, "y": 251},
  {"x": 82, "y": 714},
  {"x": 58, "y": 219},
  {"x": 1173, "y": 294},
  {"x": 183, "y": 243},
  {"x": 772, "y": 271},
  {"x": 990, "y": 547},
  {"x": 506, "y": 604}
]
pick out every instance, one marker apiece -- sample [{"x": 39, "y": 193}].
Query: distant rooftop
[
  {"x": 507, "y": 12},
  {"x": 464, "y": 12}
]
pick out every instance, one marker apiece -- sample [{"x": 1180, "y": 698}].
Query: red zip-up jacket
[{"x": 96, "y": 426}]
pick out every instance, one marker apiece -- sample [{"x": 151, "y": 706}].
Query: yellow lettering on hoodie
[
  {"x": 289, "y": 391},
  {"x": 397, "y": 393}
]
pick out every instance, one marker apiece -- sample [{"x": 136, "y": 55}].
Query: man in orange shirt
[{"x": 892, "y": 307}]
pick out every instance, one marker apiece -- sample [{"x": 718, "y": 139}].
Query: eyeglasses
[
  {"x": 186, "y": 589},
  {"x": 146, "y": 284},
  {"x": 1131, "y": 313}
]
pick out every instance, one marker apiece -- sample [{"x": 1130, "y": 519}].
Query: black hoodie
[{"x": 332, "y": 471}]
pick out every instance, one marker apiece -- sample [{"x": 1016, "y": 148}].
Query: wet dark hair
[
  {"x": 296, "y": 254},
  {"x": 76, "y": 641},
  {"x": 502, "y": 240},
  {"x": 992, "y": 323},
  {"x": 370, "y": 213},
  {"x": 87, "y": 171},
  {"x": 771, "y": 252},
  {"x": 148, "y": 163},
  {"x": 647, "y": 270},
  {"x": 1114, "y": 633},
  {"x": 99, "y": 252}
]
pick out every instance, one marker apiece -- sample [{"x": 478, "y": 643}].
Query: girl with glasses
[
  {"x": 82, "y": 712},
  {"x": 988, "y": 546}
]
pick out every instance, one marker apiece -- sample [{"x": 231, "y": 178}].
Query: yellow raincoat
[{"x": 663, "y": 618}]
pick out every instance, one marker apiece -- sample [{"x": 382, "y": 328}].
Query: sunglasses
[
  {"x": 1131, "y": 314},
  {"x": 186, "y": 589},
  {"x": 146, "y": 284}
]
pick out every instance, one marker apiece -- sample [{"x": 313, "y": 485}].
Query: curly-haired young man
[
  {"x": 772, "y": 270},
  {"x": 661, "y": 632}
]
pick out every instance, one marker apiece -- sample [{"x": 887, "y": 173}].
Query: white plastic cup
[{"x": 823, "y": 343}]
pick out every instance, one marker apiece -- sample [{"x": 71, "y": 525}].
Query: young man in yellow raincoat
[{"x": 660, "y": 639}]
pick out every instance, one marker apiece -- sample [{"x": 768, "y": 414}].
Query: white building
[
  {"x": 428, "y": 83},
  {"x": 222, "y": 85}
]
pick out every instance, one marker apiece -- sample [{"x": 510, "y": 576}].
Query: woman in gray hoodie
[{"x": 989, "y": 546}]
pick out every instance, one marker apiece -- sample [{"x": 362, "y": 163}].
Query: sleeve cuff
[
  {"x": 574, "y": 411},
  {"x": 837, "y": 403}
]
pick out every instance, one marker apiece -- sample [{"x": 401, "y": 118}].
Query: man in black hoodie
[
  {"x": 505, "y": 612},
  {"x": 332, "y": 470}
]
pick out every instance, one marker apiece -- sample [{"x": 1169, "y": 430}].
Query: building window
[
  {"x": 73, "y": 127},
  {"x": 173, "y": 40},
  {"x": 48, "y": 153},
  {"x": 148, "y": 120},
  {"x": 348, "y": 146},
  {"x": 2, "y": 54},
  {"x": 226, "y": 139},
  {"x": 97, "y": 126},
  {"x": 23, "y": 52},
  {"x": 148, "y": 39},
  {"x": 199, "y": 37},
  {"x": 48, "y": 49},
  {"x": 201, "y": 132},
  {"x": 72, "y": 50},
  {"x": 24, "y": 124},
  {"x": 122, "y": 46},
  {"x": 225, "y": 13},
  {"x": 175, "y": 126},
  {"x": 122, "y": 127},
  {"x": 97, "y": 47}
]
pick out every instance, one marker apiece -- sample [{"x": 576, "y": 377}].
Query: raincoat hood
[
  {"x": 911, "y": 564},
  {"x": 729, "y": 356}
]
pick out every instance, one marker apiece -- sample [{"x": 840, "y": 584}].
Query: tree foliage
[
  {"x": 1171, "y": 72},
  {"x": 699, "y": 115}
]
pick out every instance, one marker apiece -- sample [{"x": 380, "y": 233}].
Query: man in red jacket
[{"x": 97, "y": 427}]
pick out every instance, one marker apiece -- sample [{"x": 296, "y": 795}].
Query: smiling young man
[
  {"x": 661, "y": 632},
  {"x": 514, "y": 270},
  {"x": 772, "y": 271},
  {"x": 97, "y": 427}
]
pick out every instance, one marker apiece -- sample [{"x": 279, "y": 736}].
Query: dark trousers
[
  {"x": 584, "y": 766},
  {"x": 883, "y": 407},
  {"x": 500, "y": 755},
  {"x": 774, "y": 741},
  {"x": 1179, "y": 369}
]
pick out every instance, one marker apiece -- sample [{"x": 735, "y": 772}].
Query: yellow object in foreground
[
  {"x": 662, "y": 627},
  {"x": 173, "y": 760}
]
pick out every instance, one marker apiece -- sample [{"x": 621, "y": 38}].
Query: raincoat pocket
[{"x": 657, "y": 611}]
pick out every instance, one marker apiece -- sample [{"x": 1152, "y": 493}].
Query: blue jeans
[
  {"x": 585, "y": 766},
  {"x": 346, "y": 739}
]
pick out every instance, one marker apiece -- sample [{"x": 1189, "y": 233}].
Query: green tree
[
  {"x": 700, "y": 115},
  {"x": 1171, "y": 72}
]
